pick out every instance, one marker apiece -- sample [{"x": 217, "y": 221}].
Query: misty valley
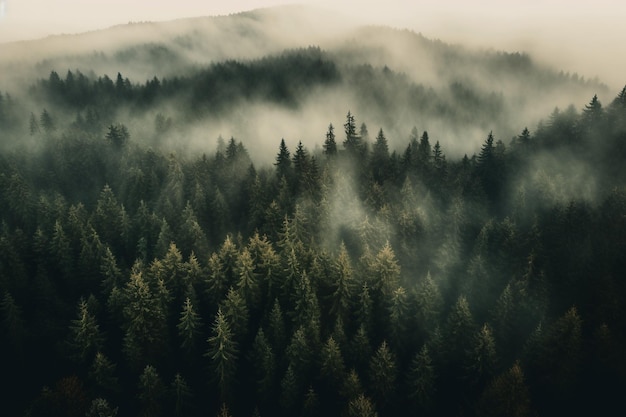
[{"x": 257, "y": 215}]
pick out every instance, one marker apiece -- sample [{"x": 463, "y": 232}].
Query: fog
[
  {"x": 445, "y": 50},
  {"x": 580, "y": 37}
]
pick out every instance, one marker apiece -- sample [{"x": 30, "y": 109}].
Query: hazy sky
[{"x": 579, "y": 36}]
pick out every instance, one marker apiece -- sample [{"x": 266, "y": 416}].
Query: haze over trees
[{"x": 377, "y": 270}]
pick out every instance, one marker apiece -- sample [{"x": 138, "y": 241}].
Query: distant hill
[{"x": 306, "y": 67}]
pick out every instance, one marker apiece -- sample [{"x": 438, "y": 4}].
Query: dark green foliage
[
  {"x": 189, "y": 327},
  {"x": 151, "y": 390},
  {"x": 85, "y": 337},
  {"x": 222, "y": 354},
  {"x": 360, "y": 281},
  {"x": 330, "y": 145}
]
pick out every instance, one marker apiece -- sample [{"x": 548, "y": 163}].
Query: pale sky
[
  {"x": 27, "y": 19},
  {"x": 586, "y": 36}
]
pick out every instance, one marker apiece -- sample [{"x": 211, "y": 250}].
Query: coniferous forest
[{"x": 347, "y": 277}]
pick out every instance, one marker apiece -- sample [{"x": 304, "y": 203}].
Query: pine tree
[
  {"x": 385, "y": 271},
  {"x": 361, "y": 407},
  {"x": 330, "y": 146},
  {"x": 290, "y": 391},
  {"x": 13, "y": 323},
  {"x": 459, "y": 331},
  {"x": 353, "y": 142},
  {"x": 216, "y": 279},
  {"x": 360, "y": 349},
  {"x": 151, "y": 390},
  {"x": 85, "y": 336},
  {"x": 440, "y": 166},
  {"x": 383, "y": 375},
  {"x": 332, "y": 365},
  {"x": 311, "y": 406},
  {"x": 222, "y": 354},
  {"x": 300, "y": 354},
  {"x": 343, "y": 285},
  {"x": 33, "y": 125},
  {"x": 429, "y": 303},
  {"x": 109, "y": 271},
  {"x": 306, "y": 308},
  {"x": 276, "y": 328},
  {"x": 364, "y": 309},
  {"x": 189, "y": 327},
  {"x": 102, "y": 374},
  {"x": 181, "y": 392},
  {"x": 398, "y": 318},
  {"x": 144, "y": 321},
  {"x": 191, "y": 237},
  {"x": 46, "y": 122},
  {"x": 264, "y": 362},
  {"x": 248, "y": 283},
  {"x": 424, "y": 152},
  {"x": 117, "y": 136},
  {"x": 421, "y": 379},
  {"x": 100, "y": 408},
  {"x": 236, "y": 313},
  {"x": 482, "y": 360},
  {"x": 380, "y": 161},
  {"x": 283, "y": 161},
  {"x": 506, "y": 395}
]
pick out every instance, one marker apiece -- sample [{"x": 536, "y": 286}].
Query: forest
[{"x": 364, "y": 275}]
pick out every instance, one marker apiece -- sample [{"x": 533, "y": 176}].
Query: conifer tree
[
  {"x": 33, "y": 125},
  {"x": 290, "y": 391},
  {"x": 332, "y": 365},
  {"x": 145, "y": 334},
  {"x": 386, "y": 271},
  {"x": 330, "y": 145},
  {"x": 421, "y": 379},
  {"x": 360, "y": 349},
  {"x": 264, "y": 362},
  {"x": 223, "y": 355},
  {"x": 102, "y": 374},
  {"x": 283, "y": 161},
  {"x": 341, "y": 298},
  {"x": 383, "y": 374},
  {"x": 151, "y": 390},
  {"x": 216, "y": 279},
  {"x": 507, "y": 394},
  {"x": 236, "y": 313},
  {"x": 248, "y": 283},
  {"x": 100, "y": 407},
  {"x": 353, "y": 143},
  {"x": 46, "y": 122},
  {"x": 13, "y": 323},
  {"x": 276, "y": 328},
  {"x": 429, "y": 303},
  {"x": 483, "y": 360},
  {"x": 181, "y": 393},
  {"x": 380, "y": 161},
  {"x": 85, "y": 336},
  {"x": 398, "y": 318},
  {"x": 189, "y": 327},
  {"x": 361, "y": 406}
]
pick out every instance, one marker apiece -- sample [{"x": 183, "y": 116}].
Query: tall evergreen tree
[
  {"x": 189, "y": 327},
  {"x": 283, "y": 161},
  {"x": 383, "y": 375},
  {"x": 330, "y": 145},
  {"x": 223, "y": 355},
  {"x": 151, "y": 390},
  {"x": 85, "y": 337}
]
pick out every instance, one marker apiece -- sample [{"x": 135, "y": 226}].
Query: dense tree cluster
[{"x": 355, "y": 280}]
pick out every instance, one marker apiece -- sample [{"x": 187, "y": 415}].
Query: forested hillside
[{"x": 148, "y": 268}]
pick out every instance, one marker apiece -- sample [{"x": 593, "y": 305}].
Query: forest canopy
[{"x": 375, "y": 271}]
